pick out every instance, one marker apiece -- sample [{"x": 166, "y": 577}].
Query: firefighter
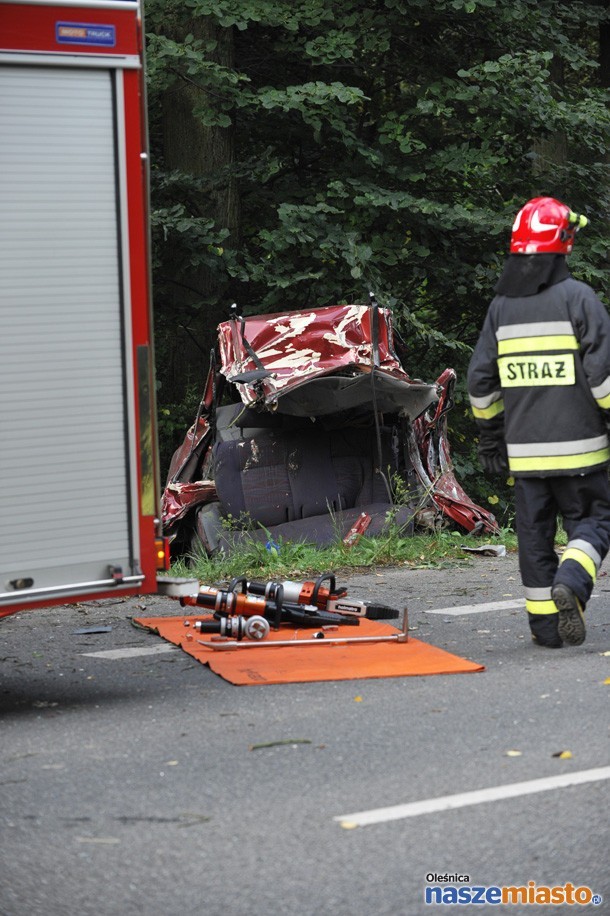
[{"x": 539, "y": 388}]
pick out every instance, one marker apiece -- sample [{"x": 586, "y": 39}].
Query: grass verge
[{"x": 297, "y": 561}]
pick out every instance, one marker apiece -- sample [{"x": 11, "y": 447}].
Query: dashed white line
[
  {"x": 478, "y": 797},
  {"x": 131, "y": 653},
  {"x": 477, "y": 608}
]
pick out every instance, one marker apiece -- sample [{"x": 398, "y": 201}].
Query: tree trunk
[
  {"x": 201, "y": 151},
  {"x": 604, "y": 54},
  {"x": 552, "y": 149}
]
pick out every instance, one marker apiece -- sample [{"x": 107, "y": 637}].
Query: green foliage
[
  {"x": 444, "y": 97},
  {"x": 378, "y": 146}
]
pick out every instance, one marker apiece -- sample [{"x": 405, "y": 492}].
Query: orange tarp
[{"x": 260, "y": 663}]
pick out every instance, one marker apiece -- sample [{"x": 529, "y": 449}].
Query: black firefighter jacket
[{"x": 539, "y": 378}]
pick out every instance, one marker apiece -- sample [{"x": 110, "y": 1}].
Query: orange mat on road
[{"x": 262, "y": 663}]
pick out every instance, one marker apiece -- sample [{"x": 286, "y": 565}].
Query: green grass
[{"x": 298, "y": 561}]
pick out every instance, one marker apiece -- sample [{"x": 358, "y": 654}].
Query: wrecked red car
[{"x": 310, "y": 429}]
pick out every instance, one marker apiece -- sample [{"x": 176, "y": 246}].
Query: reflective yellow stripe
[
  {"x": 567, "y": 447},
  {"x": 587, "y": 548},
  {"x": 488, "y": 399},
  {"x": 487, "y": 413},
  {"x": 530, "y": 344},
  {"x": 572, "y": 553},
  {"x": 534, "y": 329},
  {"x": 604, "y": 402},
  {"x": 540, "y": 607},
  {"x": 559, "y": 462},
  {"x": 601, "y": 393},
  {"x": 530, "y": 371}
]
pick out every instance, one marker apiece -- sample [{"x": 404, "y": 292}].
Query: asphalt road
[{"x": 130, "y": 786}]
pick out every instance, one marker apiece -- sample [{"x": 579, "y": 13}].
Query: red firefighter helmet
[{"x": 545, "y": 226}]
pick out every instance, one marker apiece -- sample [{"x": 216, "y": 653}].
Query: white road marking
[
  {"x": 477, "y": 608},
  {"x": 131, "y": 653},
  {"x": 478, "y": 797}
]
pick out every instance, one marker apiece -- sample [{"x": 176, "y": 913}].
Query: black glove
[
  {"x": 492, "y": 455},
  {"x": 494, "y": 464}
]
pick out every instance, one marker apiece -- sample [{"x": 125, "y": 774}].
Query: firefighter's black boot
[
  {"x": 544, "y": 630},
  {"x": 571, "y": 623}
]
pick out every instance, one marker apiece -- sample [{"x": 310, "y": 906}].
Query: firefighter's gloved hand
[
  {"x": 493, "y": 456},
  {"x": 494, "y": 464}
]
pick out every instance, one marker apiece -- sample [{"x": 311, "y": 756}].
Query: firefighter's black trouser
[{"x": 583, "y": 502}]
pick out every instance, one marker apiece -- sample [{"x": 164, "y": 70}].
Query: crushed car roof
[{"x": 319, "y": 362}]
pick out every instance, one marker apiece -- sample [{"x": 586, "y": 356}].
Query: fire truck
[{"x": 79, "y": 491}]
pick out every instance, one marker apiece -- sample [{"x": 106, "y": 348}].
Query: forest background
[{"x": 307, "y": 152}]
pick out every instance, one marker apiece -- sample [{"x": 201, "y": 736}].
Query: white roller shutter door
[{"x": 64, "y": 487}]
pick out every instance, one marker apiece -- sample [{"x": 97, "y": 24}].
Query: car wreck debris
[{"x": 308, "y": 427}]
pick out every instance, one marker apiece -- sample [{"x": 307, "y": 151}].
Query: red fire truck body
[{"x": 79, "y": 492}]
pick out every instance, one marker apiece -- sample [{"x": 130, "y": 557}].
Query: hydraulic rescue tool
[
  {"x": 319, "y": 639},
  {"x": 255, "y": 627},
  {"x": 325, "y": 598},
  {"x": 249, "y": 609},
  {"x": 275, "y": 610}
]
